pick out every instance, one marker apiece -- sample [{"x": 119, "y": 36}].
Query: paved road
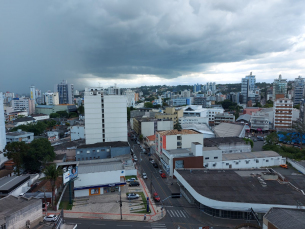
[{"x": 176, "y": 214}]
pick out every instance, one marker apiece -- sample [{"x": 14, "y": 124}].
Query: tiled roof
[{"x": 176, "y": 132}]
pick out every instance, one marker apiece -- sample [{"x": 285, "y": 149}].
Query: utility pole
[{"x": 121, "y": 204}]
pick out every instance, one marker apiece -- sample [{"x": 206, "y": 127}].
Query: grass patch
[
  {"x": 65, "y": 205},
  {"x": 144, "y": 203},
  {"x": 129, "y": 177}
]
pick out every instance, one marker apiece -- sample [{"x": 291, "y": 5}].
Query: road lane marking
[{"x": 182, "y": 214}]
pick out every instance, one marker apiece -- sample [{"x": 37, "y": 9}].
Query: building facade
[
  {"x": 77, "y": 132},
  {"x": 148, "y": 126},
  {"x": 170, "y": 113},
  {"x": 19, "y": 136},
  {"x": 51, "y": 98},
  {"x": 298, "y": 92},
  {"x": 279, "y": 87},
  {"x": 259, "y": 121},
  {"x": 65, "y": 92},
  {"x": 283, "y": 113},
  {"x": 105, "y": 116},
  {"x": 2, "y": 125},
  {"x": 130, "y": 98},
  {"x": 224, "y": 117}
]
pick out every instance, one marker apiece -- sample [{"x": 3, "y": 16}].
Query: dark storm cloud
[{"x": 42, "y": 42}]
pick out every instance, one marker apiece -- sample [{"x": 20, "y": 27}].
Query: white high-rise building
[
  {"x": 51, "y": 98},
  {"x": 2, "y": 125},
  {"x": 105, "y": 116},
  {"x": 33, "y": 93},
  {"x": 130, "y": 98}
]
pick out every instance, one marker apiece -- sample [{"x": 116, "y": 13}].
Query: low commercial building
[
  {"x": 13, "y": 185},
  {"x": 170, "y": 113},
  {"x": 259, "y": 121},
  {"x": 24, "y": 121},
  {"x": 202, "y": 128},
  {"x": 176, "y": 139},
  {"x": 97, "y": 177},
  {"x": 148, "y": 126},
  {"x": 20, "y": 212},
  {"x": 224, "y": 117},
  {"x": 53, "y": 136},
  {"x": 283, "y": 218},
  {"x": 102, "y": 150},
  {"x": 194, "y": 120},
  {"x": 39, "y": 117},
  {"x": 237, "y": 194},
  {"x": 228, "y": 144},
  {"x": 77, "y": 132},
  {"x": 19, "y": 136},
  {"x": 230, "y": 130},
  {"x": 180, "y": 102},
  {"x": 48, "y": 109}
]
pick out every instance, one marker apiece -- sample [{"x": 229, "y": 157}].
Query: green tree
[
  {"x": 73, "y": 115},
  {"x": 67, "y": 124},
  {"x": 297, "y": 106},
  {"x": 54, "y": 115},
  {"x": 177, "y": 126},
  {"x": 148, "y": 105},
  {"x": 81, "y": 109},
  {"x": 258, "y": 104},
  {"x": 299, "y": 128},
  {"x": 249, "y": 141},
  {"x": 40, "y": 152},
  {"x": 63, "y": 114},
  {"x": 272, "y": 138},
  {"x": 51, "y": 174},
  {"x": 15, "y": 151},
  {"x": 268, "y": 104}
]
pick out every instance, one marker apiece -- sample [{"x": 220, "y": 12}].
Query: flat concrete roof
[
  {"x": 210, "y": 148},
  {"x": 100, "y": 167},
  {"x": 228, "y": 130},
  {"x": 250, "y": 155},
  {"x": 176, "y": 132},
  {"x": 103, "y": 144},
  {"x": 179, "y": 151},
  {"x": 240, "y": 186},
  {"x": 18, "y": 133},
  {"x": 223, "y": 140}
]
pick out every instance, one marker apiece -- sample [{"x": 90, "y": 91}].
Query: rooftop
[
  {"x": 284, "y": 218},
  {"x": 24, "y": 119},
  {"x": 176, "y": 132},
  {"x": 240, "y": 186},
  {"x": 151, "y": 137},
  {"x": 104, "y": 144},
  {"x": 179, "y": 151},
  {"x": 202, "y": 128},
  {"x": 228, "y": 130},
  {"x": 245, "y": 117},
  {"x": 7, "y": 184},
  {"x": 11, "y": 204},
  {"x": 250, "y": 155},
  {"x": 208, "y": 142},
  {"x": 69, "y": 145},
  {"x": 18, "y": 133}
]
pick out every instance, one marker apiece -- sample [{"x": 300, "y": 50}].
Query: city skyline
[{"x": 144, "y": 43}]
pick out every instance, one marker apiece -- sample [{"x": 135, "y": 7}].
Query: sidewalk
[{"x": 94, "y": 208}]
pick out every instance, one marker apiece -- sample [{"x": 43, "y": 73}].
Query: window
[
  {"x": 88, "y": 151},
  {"x": 215, "y": 157},
  {"x": 93, "y": 151},
  {"x": 77, "y": 152},
  {"x": 207, "y": 158},
  {"x": 97, "y": 150},
  {"x": 267, "y": 160}
]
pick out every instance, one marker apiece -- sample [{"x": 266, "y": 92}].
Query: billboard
[{"x": 70, "y": 174}]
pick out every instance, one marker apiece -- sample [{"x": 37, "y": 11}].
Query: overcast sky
[{"x": 134, "y": 43}]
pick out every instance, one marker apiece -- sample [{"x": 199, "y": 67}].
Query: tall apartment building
[
  {"x": 197, "y": 88},
  {"x": 209, "y": 87},
  {"x": 247, "y": 87},
  {"x": 298, "y": 92},
  {"x": 283, "y": 113},
  {"x": 65, "y": 92},
  {"x": 279, "y": 87},
  {"x": 51, "y": 98},
  {"x": 170, "y": 113},
  {"x": 33, "y": 93},
  {"x": 2, "y": 125},
  {"x": 105, "y": 116},
  {"x": 23, "y": 104},
  {"x": 130, "y": 95},
  {"x": 185, "y": 94},
  {"x": 114, "y": 90}
]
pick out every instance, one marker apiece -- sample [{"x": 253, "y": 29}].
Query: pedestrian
[{"x": 144, "y": 216}]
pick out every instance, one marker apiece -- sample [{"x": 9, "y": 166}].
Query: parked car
[
  {"x": 135, "y": 158},
  {"x": 156, "y": 197},
  {"x": 138, "y": 142},
  {"x": 160, "y": 171},
  {"x": 131, "y": 179},
  {"x": 255, "y": 140},
  {"x": 134, "y": 183},
  {"x": 260, "y": 138},
  {"x": 131, "y": 196},
  {"x": 152, "y": 161},
  {"x": 155, "y": 165},
  {"x": 131, "y": 151},
  {"x": 50, "y": 218},
  {"x": 284, "y": 166},
  {"x": 144, "y": 175},
  {"x": 163, "y": 175}
]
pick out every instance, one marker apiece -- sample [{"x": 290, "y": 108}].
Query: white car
[
  {"x": 132, "y": 179},
  {"x": 144, "y": 175},
  {"x": 50, "y": 218},
  {"x": 152, "y": 161},
  {"x": 135, "y": 158}
]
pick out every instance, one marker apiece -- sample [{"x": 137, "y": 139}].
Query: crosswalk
[
  {"x": 158, "y": 226},
  {"x": 177, "y": 213}
]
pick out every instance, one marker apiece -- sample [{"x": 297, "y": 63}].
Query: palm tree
[{"x": 51, "y": 174}]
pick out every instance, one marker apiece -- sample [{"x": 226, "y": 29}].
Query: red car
[
  {"x": 163, "y": 175},
  {"x": 156, "y": 197}
]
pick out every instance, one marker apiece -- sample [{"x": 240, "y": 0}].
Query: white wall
[
  {"x": 77, "y": 132},
  {"x": 130, "y": 172},
  {"x": 242, "y": 164},
  {"x": 187, "y": 140},
  {"x": 164, "y": 125},
  {"x": 80, "y": 193},
  {"x": 209, "y": 156},
  {"x": 147, "y": 128},
  {"x": 296, "y": 165},
  {"x": 2, "y": 125},
  {"x": 93, "y": 118},
  {"x": 115, "y": 118}
]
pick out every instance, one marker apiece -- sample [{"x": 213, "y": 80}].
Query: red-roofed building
[{"x": 250, "y": 110}]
